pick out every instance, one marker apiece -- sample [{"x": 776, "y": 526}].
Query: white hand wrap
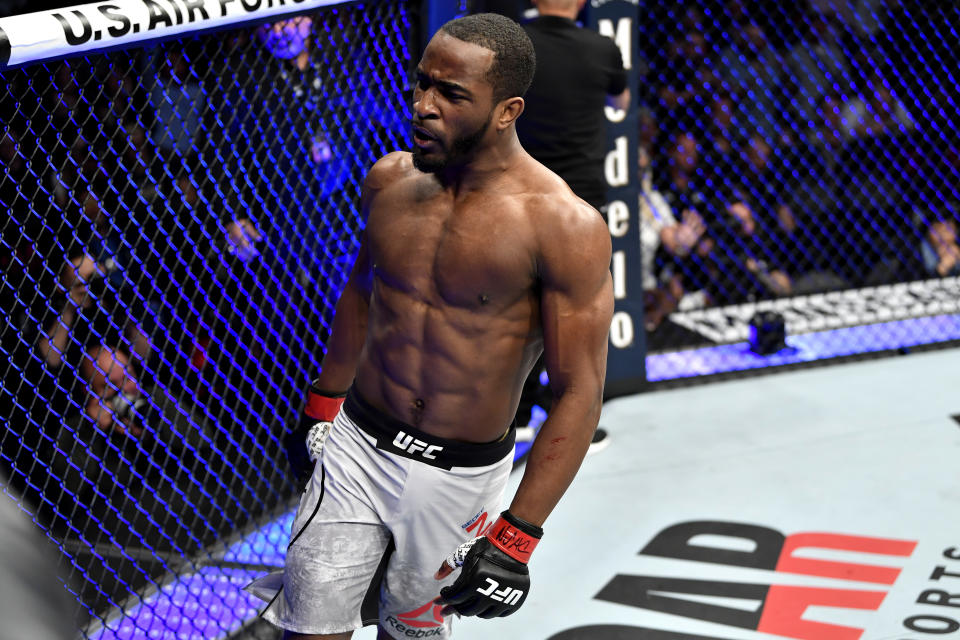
[
  {"x": 455, "y": 559},
  {"x": 316, "y": 436}
]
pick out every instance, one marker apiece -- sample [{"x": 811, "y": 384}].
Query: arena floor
[
  {"x": 854, "y": 453},
  {"x": 821, "y": 504}
]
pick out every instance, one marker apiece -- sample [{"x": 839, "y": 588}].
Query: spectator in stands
[
  {"x": 808, "y": 249},
  {"x": 753, "y": 73},
  {"x": 99, "y": 303},
  {"x": 771, "y": 230},
  {"x": 755, "y": 263},
  {"x": 687, "y": 81},
  {"x": 660, "y": 231},
  {"x": 97, "y": 351},
  {"x": 875, "y": 111},
  {"x": 121, "y": 456},
  {"x": 114, "y": 399},
  {"x": 86, "y": 312},
  {"x": 289, "y": 40},
  {"x": 683, "y": 182},
  {"x": 941, "y": 251},
  {"x": 648, "y": 131},
  {"x": 178, "y": 100},
  {"x": 723, "y": 137},
  {"x": 317, "y": 148},
  {"x": 79, "y": 322},
  {"x": 818, "y": 71},
  {"x": 758, "y": 181},
  {"x": 136, "y": 158},
  {"x": 688, "y": 190},
  {"x": 301, "y": 102}
]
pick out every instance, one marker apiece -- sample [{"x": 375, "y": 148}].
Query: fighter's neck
[{"x": 486, "y": 167}]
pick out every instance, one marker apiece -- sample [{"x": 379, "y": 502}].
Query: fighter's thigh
[
  {"x": 331, "y": 578},
  {"x": 332, "y": 567},
  {"x": 445, "y": 509}
]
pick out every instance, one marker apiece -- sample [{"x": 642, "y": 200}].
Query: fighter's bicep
[{"x": 577, "y": 303}]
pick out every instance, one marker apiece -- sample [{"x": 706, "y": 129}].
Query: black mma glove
[
  {"x": 303, "y": 444},
  {"x": 494, "y": 579}
]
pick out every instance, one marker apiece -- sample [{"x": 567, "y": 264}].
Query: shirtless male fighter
[{"x": 474, "y": 260}]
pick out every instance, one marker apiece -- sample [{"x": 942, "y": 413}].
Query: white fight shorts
[{"x": 385, "y": 506}]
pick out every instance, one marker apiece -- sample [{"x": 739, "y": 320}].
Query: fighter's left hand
[{"x": 494, "y": 579}]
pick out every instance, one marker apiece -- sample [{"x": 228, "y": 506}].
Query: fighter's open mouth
[{"x": 422, "y": 136}]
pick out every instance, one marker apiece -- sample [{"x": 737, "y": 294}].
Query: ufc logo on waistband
[
  {"x": 412, "y": 445},
  {"x": 507, "y": 595}
]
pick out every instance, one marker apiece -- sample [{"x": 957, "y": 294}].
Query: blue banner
[{"x": 626, "y": 370}]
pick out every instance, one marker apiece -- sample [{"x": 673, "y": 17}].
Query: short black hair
[{"x": 514, "y": 60}]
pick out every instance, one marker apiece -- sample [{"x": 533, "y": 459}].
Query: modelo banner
[
  {"x": 626, "y": 370},
  {"x": 100, "y": 25}
]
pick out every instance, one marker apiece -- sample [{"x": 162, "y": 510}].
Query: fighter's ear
[{"x": 509, "y": 110}]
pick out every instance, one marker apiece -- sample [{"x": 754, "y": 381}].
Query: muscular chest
[{"x": 466, "y": 256}]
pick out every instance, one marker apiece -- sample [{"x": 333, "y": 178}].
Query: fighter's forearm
[{"x": 556, "y": 456}]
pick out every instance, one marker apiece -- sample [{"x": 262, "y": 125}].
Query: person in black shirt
[
  {"x": 578, "y": 72},
  {"x": 563, "y": 124}
]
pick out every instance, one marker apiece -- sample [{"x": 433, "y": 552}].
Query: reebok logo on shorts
[
  {"x": 413, "y": 446},
  {"x": 409, "y": 632}
]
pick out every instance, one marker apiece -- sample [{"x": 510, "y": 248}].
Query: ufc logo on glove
[{"x": 507, "y": 595}]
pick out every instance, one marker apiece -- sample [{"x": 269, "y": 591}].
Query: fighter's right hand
[{"x": 303, "y": 445}]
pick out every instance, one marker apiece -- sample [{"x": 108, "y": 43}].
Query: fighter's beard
[{"x": 461, "y": 149}]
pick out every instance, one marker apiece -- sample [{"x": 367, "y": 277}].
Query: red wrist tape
[
  {"x": 322, "y": 407},
  {"x": 512, "y": 541}
]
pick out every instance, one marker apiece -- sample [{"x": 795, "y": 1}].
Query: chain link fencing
[
  {"x": 181, "y": 218},
  {"x": 799, "y": 167}
]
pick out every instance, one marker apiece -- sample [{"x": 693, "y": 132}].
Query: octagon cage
[
  {"x": 183, "y": 210},
  {"x": 182, "y": 215}
]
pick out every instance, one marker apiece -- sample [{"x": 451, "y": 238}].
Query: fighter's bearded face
[{"x": 452, "y": 103}]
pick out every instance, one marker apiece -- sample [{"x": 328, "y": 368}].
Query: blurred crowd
[
  {"x": 792, "y": 148},
  {"x": 179, "y": 221}
]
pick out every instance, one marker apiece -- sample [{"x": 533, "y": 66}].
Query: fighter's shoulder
[
  {"x": 389, "y": 169},
  {"x": 558, "y": 210}
]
